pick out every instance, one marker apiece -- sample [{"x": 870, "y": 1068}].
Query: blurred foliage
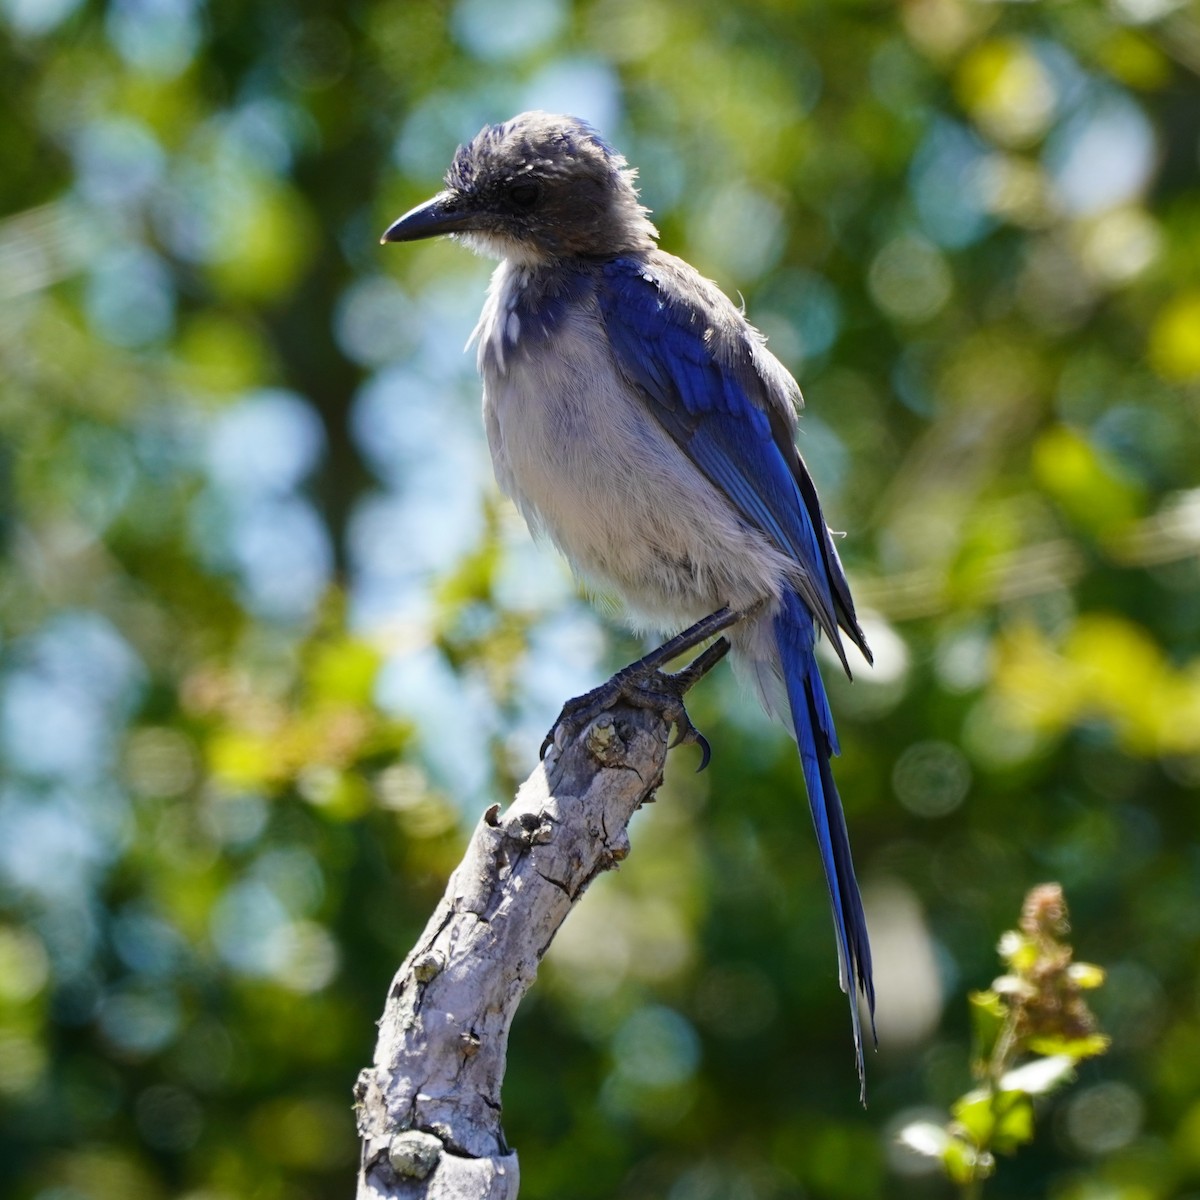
[
  {"x": 271, "y": 642},
  {"x": 1036, "y": 1013}
]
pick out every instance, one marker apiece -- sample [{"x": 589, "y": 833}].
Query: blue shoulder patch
[
  {"x": 662, "y": 339},
  {"x": 541, "y": 305}
]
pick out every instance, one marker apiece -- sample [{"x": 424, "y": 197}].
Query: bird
[{"x": 638, "y": 420}]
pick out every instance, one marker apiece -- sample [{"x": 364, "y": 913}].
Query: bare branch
[{"x": 429, "y": 1107}]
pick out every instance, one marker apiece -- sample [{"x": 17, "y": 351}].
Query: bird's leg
[{"x": 645, "y": 684}]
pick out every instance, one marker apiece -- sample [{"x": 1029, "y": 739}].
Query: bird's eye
[{"x": 524, "y": 195}]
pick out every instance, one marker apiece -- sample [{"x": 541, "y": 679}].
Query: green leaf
[
  {"x": 343, "y": 671},
  {"x": 1013, "y": 1112},
  {"x": 1085, "y": 975},
  {"x": 988, "y": 1015},
  {"x": 1073, "y": 1048},
  {"x": 996, "y": 1120},
  {"x": 1020, "y": 952},
  {"x": 974, "y": 1113},
  {"x": 965, "y": 1164}
]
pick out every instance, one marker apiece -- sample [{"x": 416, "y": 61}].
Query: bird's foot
[{"x": 644, "y": 684}]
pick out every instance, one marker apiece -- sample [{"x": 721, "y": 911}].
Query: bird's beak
[{"x": 445, "y": 213}]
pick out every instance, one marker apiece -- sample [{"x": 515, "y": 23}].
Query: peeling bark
[{"x": 429, "y": 1108}]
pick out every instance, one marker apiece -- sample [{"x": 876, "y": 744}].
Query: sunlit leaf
[
  {"x": 1041, "y": 1075},
  {"x": 1089, "y": 486},
  {"x": 925, "y": 1138},
  {"x": 1008, "y": 90},
  {"x": 1072, "y": 1048},
  {"x": 966, "y": 1164},
  {"x": 219, "y": 353},
  {"x": 243, "y": 759},
  {"x": 975, "y": 1113},
  {"x": 1014, "y": 1120},
  {"x": 988, "y": 1015},
  {"x": 1175, "y": 338},
  {"x": 343, "y": 671},
  {"x": 1086, "y": 975},
  {"x": 265, "y": 243}
]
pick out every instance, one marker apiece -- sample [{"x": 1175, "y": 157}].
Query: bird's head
[{"x": 535, "y": 189}]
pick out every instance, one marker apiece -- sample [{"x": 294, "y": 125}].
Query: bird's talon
[
  {"x": 686, "y": 734},
  {"x": 645, "y": 685}
]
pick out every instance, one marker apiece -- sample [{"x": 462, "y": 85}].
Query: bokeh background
[{"x": 272, "y": 641}]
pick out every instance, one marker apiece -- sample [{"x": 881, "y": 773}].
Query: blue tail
[{"x": 795, "y": 637}]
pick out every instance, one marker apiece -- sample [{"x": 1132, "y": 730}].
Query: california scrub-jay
[{"x": 636, "y": 418}]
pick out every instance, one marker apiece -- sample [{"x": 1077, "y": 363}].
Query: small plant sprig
[{"x": 1029, "y": 1030}]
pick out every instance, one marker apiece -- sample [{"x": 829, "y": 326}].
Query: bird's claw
[
  {"x": 686, "y": 734},
  {"x": 645, "y": 685}
]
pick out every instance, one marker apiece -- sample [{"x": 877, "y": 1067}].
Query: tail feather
[{"x": 813, "y": 724}]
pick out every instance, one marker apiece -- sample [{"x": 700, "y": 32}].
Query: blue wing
[
  {"x": 724, "y": 416},
  {"x": 693, "y": 360}
]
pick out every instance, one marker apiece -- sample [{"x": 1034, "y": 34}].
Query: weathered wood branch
[{"x": 429, "y": 1107}]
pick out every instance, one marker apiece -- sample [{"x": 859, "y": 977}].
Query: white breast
[{"x": 581, "y": 455}]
